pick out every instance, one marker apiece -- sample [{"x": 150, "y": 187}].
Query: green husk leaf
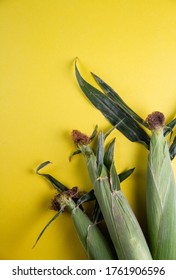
[
  {"x": 47, "y": 225},
  {"x": 100, "y": 152},
  {"x": 121, "y": 222},
  {"x": 169, "y": 127},
  {"x": 74, "y": 153},
  {"x": 94, "y": 133},
  {"x": 114, "y": 179},
  {"x": 109, "y": 154},
  {"x": 55, "y": 183},
  {"x": 172, "y": 149},
  {"x": 91, "y": 237},
  {"x": 42, "y": 165},
  {"x": 110, "y": 130},
  {"x": 105, "y": 249},
  {"x": 113, "y": 112},
  {"x": 116, "y": 98},
  {"x": 125, "y": 174}
]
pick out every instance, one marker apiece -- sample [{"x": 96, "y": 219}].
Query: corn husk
[
  {"x": 92, "y": 239},
  {"x": 161, "y": 196},
  {"x": 123, "y": 227}
]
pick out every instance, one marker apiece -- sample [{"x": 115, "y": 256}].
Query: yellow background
[{"x": 129, "y": 44}]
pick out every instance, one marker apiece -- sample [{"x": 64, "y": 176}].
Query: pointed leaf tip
[
  {"x": 42, "y": 165},
  {"x": 73, "y": 154},
  {"x": 125, "y": 174},
  {"x": 109, "y": 154},
  {"x": 47, "y": 225}
]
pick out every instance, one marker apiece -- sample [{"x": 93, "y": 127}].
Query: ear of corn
[
  {"x": 121, "y": 222},
  {"x": 90, "y": 236},
  {"x": 94, "y": 242},
  {"x": 161, "y": 194}
]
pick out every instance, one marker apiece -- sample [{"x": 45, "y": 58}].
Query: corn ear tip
[{"x": 156, "y": 121}]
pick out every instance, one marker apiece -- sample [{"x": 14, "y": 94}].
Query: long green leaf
[
  {"x": 47, "y": 225},
  {"x": 114, "y": 96},
  {"x": 114, "y": 113}
]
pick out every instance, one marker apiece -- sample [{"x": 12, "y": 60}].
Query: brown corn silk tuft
[
  {"x": 79, "y": 138},
  {"x": 156, "y": 120}
]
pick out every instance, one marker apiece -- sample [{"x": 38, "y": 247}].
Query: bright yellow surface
[{"x": 131, "y": 45}]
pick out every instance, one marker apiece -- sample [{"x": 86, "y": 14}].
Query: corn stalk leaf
[
  {"x": 47, "y": 225},
  {"x": 55, "y": 183},
  {"x": 116, "y": 115},
  {"x": 42, "y": 165},
  {"x": 116, "y": 98}
]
